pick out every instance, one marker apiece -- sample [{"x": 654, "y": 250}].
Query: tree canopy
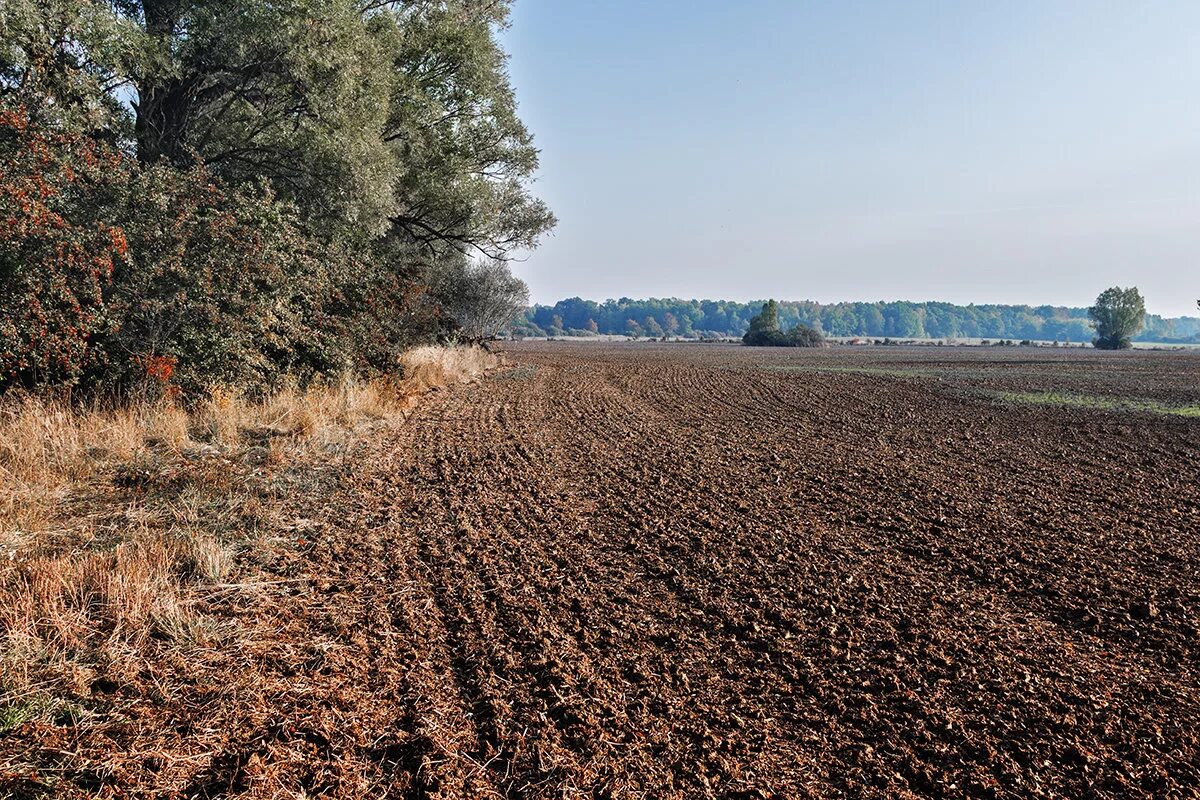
[
  {"x": 394, "y": 117},
  {"x": 1117, "y": 315}
]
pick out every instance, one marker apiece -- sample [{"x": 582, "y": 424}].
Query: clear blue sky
[{"x": 1017, "y": 151}]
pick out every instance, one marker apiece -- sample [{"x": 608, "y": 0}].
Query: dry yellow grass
[
  {"x": 80, "y": 592},
  {"x": 431, "y": 367},
  {"x": 47, "y": 446}
]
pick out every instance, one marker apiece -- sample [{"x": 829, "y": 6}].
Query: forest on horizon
[{"x": 896, "y": 319}]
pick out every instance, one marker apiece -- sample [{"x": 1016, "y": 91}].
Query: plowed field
[{"x": 627, "y": 571}]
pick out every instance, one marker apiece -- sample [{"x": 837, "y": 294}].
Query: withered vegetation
[{"x": 119, "y": 523}]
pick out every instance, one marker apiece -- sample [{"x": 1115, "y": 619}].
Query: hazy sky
[{"x": 1018, "y": 151}]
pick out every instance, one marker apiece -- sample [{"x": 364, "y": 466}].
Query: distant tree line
[{"x": 897, "y": 320}]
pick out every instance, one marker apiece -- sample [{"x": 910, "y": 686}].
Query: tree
[
  {"x": 466, "y": 158},
  {"x": 686, "y": 326},
  {"x": 896, "y": 319},
  {"x": 764, "y": 324},
  {"x": 764, "y": 331},
  {"x": 1117, "y": 316},
  {"x": 291, "y": 173},
  {"x": 483, "y": 299},
  {"x": 371, "y": 116}
]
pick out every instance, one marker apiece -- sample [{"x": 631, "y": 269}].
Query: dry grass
[
  {"x": 113, "y": 519},
  {"x": 47, "y": 446},
  {"x": 431, "y": 367}
]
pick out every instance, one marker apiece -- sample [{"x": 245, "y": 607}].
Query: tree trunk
[{"x": 164, "y": 104}]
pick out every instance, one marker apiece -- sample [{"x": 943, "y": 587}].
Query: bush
[
  {"x": 221, "y": 284},
  {"x": 764, "y": 331},
  {"x": 119, "y": 278},
  {"x": 804, "y": 336},
  {"x": 482, "y": 300},
  {"x": 799, "y": 336},
  {"x": 58, "y": 251},
  {"x": 380, "y": 310}
]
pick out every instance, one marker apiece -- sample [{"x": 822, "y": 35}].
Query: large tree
[
  {"x": 466, "y": 159},
  {"x": 374, "y": 117},
  {"x": 292, "y": 175},
  {"x": 1117, "y": 315},
  {"x": 292, "y": 92}
]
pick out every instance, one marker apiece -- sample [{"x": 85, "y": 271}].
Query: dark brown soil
[{"x": 627, "y": 571}]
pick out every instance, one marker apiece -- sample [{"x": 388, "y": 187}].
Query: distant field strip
[
  {"x": 891, "y": 372},
  {"x": 1044, "y": 397},
  {"x": 1096, "y": 402}
]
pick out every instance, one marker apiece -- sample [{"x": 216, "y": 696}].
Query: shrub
[
  {"x": 117, "y": 278},
  {"x": 804, "y": 336},
  {"x": 58, "y": 250},
  {"x": 220, "y": 284},
  {"x": 379, "y": 310},
  {"x": 482, "y": 299}
]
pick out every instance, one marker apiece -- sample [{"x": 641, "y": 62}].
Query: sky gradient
[{"x": 1016, "y": 152}]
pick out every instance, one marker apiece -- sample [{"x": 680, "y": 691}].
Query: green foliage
[
  {"x": 764, "y": 324},
  {"x": 223, "y": 283},
  {"x": 1117, "y": 315},
  {"x": 370, "y": 117},
  {"x": 381, "y": 308},
  {"x": 764, "y": 331},
  {"x": 465, "y": 156},
  {"x": 294, "y": 92},
  {"x": 58, "y": 62}
]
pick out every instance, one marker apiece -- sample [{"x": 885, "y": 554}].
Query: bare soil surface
[{"x": 627, "y": 571}]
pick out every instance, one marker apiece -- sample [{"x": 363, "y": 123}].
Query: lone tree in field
[
  {"x": 763, "y": 324},
  {"x": 1117, "y": 317},
  {"x": 764, "y": 331},
  {"x": 483, "y": 299}
]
